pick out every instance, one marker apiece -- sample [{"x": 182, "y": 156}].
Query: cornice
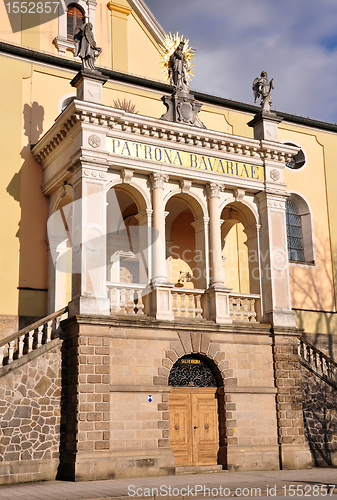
[{"x": 116, "y": 120}]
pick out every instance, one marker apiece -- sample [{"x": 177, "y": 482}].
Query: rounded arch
[
  {"x": 299, "y": 160},
  {"x": 136, "y": 192},
  {"x": 196, "y": 205},
  {"x": 63, "y": 197},
  {"x": 247, "y": 212}
]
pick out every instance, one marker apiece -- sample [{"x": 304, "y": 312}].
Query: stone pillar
[
  {"x": 201, "y": 276},
  {"x": 144, "y": 249},
  {"x": 89, "y": 85},
  {"x": 294, "y": 452},
  {"x": 253, "y": 245},
  {"x": 89, "y": 294},
  {"x": 161, "y": 306},
  {"x": 58, "y": 261},
  {"x": 218, "y": 303},
  {"x": 274, "y": 261}
]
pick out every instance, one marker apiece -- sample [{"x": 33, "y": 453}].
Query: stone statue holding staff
[{"x": 85, "y": 46}]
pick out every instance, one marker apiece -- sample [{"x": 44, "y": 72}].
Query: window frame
[{"x": 307, "y": 227}]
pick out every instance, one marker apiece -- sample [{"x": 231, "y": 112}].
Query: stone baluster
[
  {"x": 130, "y": 305},
  {"x": 183, "y": 308},
  {"x": 245, "y": 312},
  {"x": 238, "y": 309},
  {"x": 30, "y": 340},
  {"x": 48, "y": 331},
  {"x": 198, "y": 308},
  {"x": 21, "y": 346},
  {"x": 140, "y": 305},
  {"x": 11, "y": 351},
  {"x": 39, "y": 336},
  {"x": 175, "y": 304},
  {"x": 231, "y": 307},
  {"x": 2, "y": 351},
  {"x": 252, "y": 311},
  {"x": 190, "y": 309},
  {"x": 122, "y": 301}
]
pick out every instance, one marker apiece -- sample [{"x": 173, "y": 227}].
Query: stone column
[
  {"x": 201, "y": 275},
  {"x": 213, "y": 193},
  {"x": 89, "y": 294},
  {"x": 294, "y": 452},
  {"x": 161, "y": 306},
  {"x": 253, "y": 245},
  {"x": 218, "y": 303}
]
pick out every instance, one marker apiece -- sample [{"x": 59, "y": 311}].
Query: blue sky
[{"x": 295, "y": 41}]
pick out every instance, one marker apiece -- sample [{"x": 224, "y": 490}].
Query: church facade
[{"x": 171, "y": 273}]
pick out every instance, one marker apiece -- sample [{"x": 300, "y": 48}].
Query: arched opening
[
  {"x": 185, "y": 254},
  {"x": 75, "y": 18},
  {"x": 127, "y": 251},
  {"x": 241, "y": 256},
  {"x": 196, "y": 416}
]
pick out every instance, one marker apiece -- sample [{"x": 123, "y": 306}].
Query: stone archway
[{"x": 200, "y": 345}]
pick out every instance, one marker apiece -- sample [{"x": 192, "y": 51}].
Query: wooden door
[{"x": 194, "y": 433}]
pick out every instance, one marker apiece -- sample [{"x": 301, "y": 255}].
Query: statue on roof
[
  {"x": 177, "y": 62},
  {"x": 85, "y": 46},
  {"x": 262, "y": 87}
]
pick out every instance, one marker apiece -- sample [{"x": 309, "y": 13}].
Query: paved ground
[{"x": 308, "y": 483}]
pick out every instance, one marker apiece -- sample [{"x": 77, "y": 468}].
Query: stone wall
[
  {"x": 30, "y": 416},
  {"x": 320, "y": 418}
]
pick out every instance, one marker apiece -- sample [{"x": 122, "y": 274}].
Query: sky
[{"x": 294, "y": 41}]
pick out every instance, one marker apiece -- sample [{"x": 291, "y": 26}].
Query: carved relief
[
  {"x": 274, "y": 174},
  {"x": 185, "y": 185},
  {"x": 94, "y": 141}
]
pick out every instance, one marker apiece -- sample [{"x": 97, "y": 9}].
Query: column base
[
  {"x": 89, "y": 305},
  {"x": 296, "y": 456}
]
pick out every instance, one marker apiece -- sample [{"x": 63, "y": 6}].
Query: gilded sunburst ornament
[{"x": 171, "y": 43}]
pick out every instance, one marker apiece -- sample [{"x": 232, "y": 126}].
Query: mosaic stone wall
[{"x": 30, "y": 415}]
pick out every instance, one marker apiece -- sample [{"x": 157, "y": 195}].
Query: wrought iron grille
[{"x": 191, "y": 371}]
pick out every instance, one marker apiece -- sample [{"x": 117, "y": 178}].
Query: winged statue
[
  {"x": 85, "y": 46},
  {"x": 262, "y": 87}
]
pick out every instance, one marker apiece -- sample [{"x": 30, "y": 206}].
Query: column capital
[
  {"x": 157, "y": 180},
  {"x": 200, "y": 224},
  {"x": 213, "y": 189}
]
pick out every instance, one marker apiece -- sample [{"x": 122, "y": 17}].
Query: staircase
[
  {"x": 30, "y": 342},
  {"x": 317, "y": 362}
]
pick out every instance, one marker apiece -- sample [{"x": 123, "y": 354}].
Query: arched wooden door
[{"x": 193, "y": 413}]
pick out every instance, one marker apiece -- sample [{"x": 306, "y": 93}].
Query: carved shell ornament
[{"x": 171, "y": 42}]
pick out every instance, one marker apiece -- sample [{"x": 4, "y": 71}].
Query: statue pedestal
[
  {"x": 89, "y": 85},
  {"x": 265, "y": 125},
  {"x": 182, "y": 108}
]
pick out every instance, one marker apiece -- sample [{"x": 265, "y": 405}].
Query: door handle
[{"x": 196, "y": 427}]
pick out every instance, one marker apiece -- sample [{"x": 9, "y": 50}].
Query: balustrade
[
  {"x": 242, "y": 307},
  {"x": 186, "y": 303},
  {"x": 32, "y": 337},
  {"x": 126, "y": 298},
  {"x": 317, "y": 362}
]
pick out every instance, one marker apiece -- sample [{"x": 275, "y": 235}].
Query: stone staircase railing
[
  {"x": 317, "y": 362},
  {"x": 242, "y": 307},
  {"x": 126, "y": 298},
  {"x": 186, "y": 303},
  {"x": 31, "y": 337}
]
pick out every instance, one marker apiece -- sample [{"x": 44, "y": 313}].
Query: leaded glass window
[{"x": 294, "y": 233}]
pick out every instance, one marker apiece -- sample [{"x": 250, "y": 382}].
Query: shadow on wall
[
  {"x": 315, "y": 286},
  {"x": 320, "y": 418},
  {"x": 25, "y": 188}
]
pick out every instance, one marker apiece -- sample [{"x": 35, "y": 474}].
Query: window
[
  {"x": 299, "y": 160},
  {"x": 75, "y": 17},
  {"x": 294, "y": 233},
  {"x": 300, "y": 234}
]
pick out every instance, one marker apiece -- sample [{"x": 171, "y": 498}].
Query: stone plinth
[
  {"x": 89, "y": 85},
  {"x": 182, "y": 108},
  {"x": 265, "y": 125}
]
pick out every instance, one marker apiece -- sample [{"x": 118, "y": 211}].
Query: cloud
[{"x": 295, "y": 41}]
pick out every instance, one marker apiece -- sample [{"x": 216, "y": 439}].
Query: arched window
[
  {"x": 299, "y": 230},
  {"x": 75, "y": 17},
  {"x": 294, "y": 233}
]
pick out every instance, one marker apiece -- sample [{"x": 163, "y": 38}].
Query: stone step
[{"x": 199, "y": 469}]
